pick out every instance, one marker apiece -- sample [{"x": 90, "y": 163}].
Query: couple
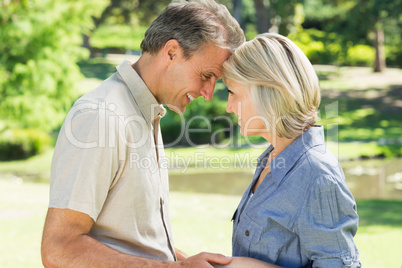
[{"x": 106, "y": 212}]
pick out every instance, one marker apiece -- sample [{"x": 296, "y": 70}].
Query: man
[{"x": 109, "y": 185}]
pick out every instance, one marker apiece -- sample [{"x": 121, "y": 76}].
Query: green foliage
[
  {"x": 203, "y": 122},
  {"x": 39, "y": 46},
  {"x": 137, "y": 12},
  {"x": 280, "y": 15},
  {"x": 249, "y": 19},
  {"x": 22, "y": 143},
  {"x": 355, "y": 22},
  {"x": 366, "y": 15},
  {"x": 394, "y": 54},
  {"x": 123, "y": 36},
  {"x": 320, "y": 47},
  {"x": 360, "y": 55},
  {"x": 323, "y": 14},
  {"x": 326, "y": 48}
]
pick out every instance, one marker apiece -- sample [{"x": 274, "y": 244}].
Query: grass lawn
[{"x": 201, "y": 222}]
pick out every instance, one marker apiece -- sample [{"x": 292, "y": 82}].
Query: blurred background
[{"x": 54, "y": 51}]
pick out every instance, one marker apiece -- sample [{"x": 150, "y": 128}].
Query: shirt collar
[
  {"x": 150, "y": 108},
  {"x": 281, "y": 164}
]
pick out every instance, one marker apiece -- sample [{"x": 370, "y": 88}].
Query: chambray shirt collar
[
  {"x": 149, "y": 106},
  {"x": 281, "y": 165}
]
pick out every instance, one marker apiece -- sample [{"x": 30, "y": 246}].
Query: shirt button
[{"x": 247, "y": 233}]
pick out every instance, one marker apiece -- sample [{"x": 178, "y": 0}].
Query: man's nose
[{"x": 208, "y": 91}]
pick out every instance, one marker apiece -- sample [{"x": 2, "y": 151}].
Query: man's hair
[
  {"x": 194, "y": 24},
  {"x": 282, "y": 82}
]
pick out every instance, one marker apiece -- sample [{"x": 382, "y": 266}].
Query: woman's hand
[{"x": 241, "y": 262}]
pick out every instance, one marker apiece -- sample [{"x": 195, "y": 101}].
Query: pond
[{"x": 367, "y": 179}]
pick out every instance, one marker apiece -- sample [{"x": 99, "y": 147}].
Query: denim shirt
[{"x": 302, "y": 214}]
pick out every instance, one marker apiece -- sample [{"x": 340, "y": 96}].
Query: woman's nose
[{"x": 229, "y": 107}]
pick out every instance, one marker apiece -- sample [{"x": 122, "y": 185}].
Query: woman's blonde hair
[{"x": 283, "y": 84}]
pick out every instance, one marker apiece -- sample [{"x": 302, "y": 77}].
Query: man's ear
[{"x": 171, "y": 51}]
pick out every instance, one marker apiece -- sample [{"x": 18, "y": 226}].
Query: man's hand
[
  {"x": 180, "y": 255},
  {"x": 201, "y": 260}
]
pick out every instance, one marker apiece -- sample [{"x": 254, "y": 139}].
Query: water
[{"x": 367, "y": 179}]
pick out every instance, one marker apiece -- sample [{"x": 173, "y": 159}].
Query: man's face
[{"x": 194, "y": 77}]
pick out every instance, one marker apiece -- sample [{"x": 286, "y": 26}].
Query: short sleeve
[
  {"x": 327, "y": 224},
  {"x": 84, "y": 163}
]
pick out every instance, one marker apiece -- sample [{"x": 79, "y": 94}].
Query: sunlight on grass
[
  {"x": 200, "y": 222},
  {"x": 379, "y": 246},
  {"x": 36, "y": 167},
  {"x": 361, "y": 78},
  {"x": 22, "y": 214}
]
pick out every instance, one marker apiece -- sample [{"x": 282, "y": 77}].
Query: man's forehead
[{"x": 211, "y": 59}]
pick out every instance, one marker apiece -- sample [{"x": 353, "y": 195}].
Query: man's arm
[{"x": 65, "y": 243}]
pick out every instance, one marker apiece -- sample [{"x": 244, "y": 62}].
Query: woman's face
[{"x": 240, "y": 103}]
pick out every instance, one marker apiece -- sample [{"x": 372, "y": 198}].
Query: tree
[
  {"x": 362, "y": 22},
  {"x": 275, "y": 15},
  {"x": 238, "y": 12},
  {"x": 40, "y": 43},
  {"x": 374, "y": 14}
]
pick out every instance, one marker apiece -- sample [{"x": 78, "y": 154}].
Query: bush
[
  {"x": 394, "y": 55},
  {"x": 40, "y": 43},
  {"x": 22, "y": 143},
  {"x": 320, "y": 47},
  {"x": 201, "y": 123},
  {"x": 326, "y": 48},
  {"x": 360, "y": 55}
]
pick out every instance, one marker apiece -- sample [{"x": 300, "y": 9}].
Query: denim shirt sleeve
[{"x": 327, "y": 223}]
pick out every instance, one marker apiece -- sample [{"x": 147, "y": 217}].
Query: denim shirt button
[{"x": 247, "y": 233}]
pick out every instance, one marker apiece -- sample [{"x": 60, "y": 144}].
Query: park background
[{"x": 54, "y": 51}]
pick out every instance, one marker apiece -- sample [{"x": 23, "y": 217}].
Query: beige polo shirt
[{"x": 109, "y": 163}]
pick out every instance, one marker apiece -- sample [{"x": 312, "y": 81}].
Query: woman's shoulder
[{"x": 323, "y": 163}]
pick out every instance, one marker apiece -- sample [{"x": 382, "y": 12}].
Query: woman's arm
[
  {"x": 328, "y": 223},
  {"x": 241, "y": 262}
]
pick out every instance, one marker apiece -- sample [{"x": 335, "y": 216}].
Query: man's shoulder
[
  {"x": 103, "y": 91},
  {"x": 112, "y": 95}
]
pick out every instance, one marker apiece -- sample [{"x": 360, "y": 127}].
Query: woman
[{"x": 298, "y": 211}]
